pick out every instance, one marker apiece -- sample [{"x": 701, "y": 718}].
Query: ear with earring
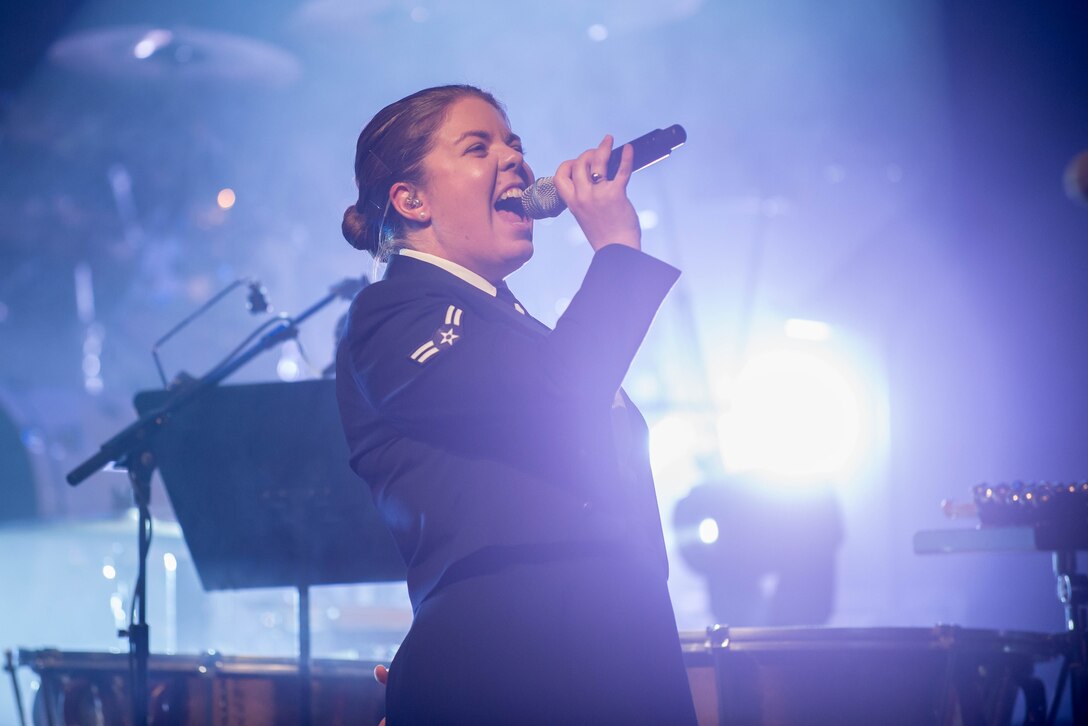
[{"x": 415, "y": 203}]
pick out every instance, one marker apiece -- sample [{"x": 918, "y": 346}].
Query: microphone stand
[{"x": 133, "y": 449}]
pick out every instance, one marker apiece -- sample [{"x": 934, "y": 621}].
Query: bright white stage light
[
  {"x": 671, "y": 438},
  {"x": 288, "y": 369},
  {"x": 681, "y": 445},
  {"x": 800, "y": 329},
  {"x": 708, "y": 531},
  {"x": 150, "y": 43},
  {"x": 792, "y": 413}
]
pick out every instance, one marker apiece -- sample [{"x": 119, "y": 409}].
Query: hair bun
[
  {"x": 354, "y": 229},
  {"x": 391, "y": 148}
]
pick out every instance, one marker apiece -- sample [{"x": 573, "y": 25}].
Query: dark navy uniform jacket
[{"x": 483, "y": 434}]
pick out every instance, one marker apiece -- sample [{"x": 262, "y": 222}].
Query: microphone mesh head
[
  {"x": 541, "y": 200},
  {"x": 257, "y": 299}
]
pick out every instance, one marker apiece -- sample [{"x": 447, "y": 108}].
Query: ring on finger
[{"x": 595, "y": 178}]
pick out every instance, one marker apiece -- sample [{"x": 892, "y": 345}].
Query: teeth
[{"x": 511, "y": 193}]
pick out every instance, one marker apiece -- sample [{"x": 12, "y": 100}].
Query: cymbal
[{"x": 174, "y": 55}]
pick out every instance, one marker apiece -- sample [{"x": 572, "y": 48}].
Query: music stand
[{"x": 259, "y": 481}]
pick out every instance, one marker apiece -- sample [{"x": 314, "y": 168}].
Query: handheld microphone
[{"x": 541, "y": 199}]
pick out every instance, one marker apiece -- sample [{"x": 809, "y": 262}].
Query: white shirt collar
[{"x": 451, "y": 267}]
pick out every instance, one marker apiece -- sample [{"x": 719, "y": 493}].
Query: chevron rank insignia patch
[{"x": 447, "y": 334}]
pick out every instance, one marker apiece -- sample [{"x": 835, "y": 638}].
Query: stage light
[
  {"x": 597, "y": 32},
  {"x": 288, "y": 369},
  {"x": 671, "y": 438},
  {"x": 792, "y": 413},
  {"x": 768, "y": 560},
  {"x": 143, "y": 49},
  {"x": 683, "y": 444},
  {"x": 814, "y": 330},
  {"x": 708, "y": 531},
  {"x": 225, "y": 199},
  {"x": 170, "y": 562},
  {"x": 109, "y": 572},
  {"x": 150, "y": 43}
]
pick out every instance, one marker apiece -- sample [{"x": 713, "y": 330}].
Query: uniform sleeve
[{"x": 429, "y": 363}]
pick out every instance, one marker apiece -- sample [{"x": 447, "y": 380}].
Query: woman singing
[{"x": 510, "y": 467}]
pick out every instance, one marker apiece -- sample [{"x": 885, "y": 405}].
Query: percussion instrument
[
  {"x": 771, "y": 676},
  {"x": 909, "y": 676},
  {"x": 82, "y": 688}
]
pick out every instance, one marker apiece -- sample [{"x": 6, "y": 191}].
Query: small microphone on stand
[
  {"x": 256, "y": 303},
  {"x": 257, "y": 299}
]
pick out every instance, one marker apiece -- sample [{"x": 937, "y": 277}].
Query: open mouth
[{"x": 509, "y": 203}]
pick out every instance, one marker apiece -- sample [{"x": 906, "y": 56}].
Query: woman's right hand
[{"x": 601, "y": 207}]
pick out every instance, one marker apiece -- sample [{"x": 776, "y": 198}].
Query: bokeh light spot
[
  {"x": 708, "y": 531},
  {"x": 597, "y": 32},
  {"x": 792, "y": 413}
]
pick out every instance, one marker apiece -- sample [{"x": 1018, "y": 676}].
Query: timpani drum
[
  {"x": 774, "y": 676},
  {"x": 91, "y": 689},
  {"x": 912, "y": 676}
]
